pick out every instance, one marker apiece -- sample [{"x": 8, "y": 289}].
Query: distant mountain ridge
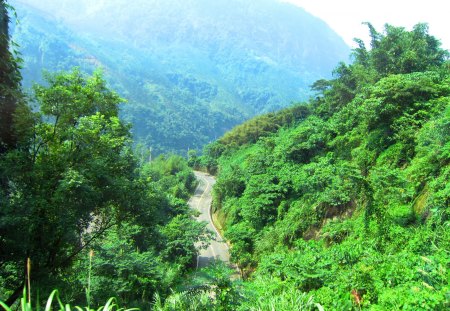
[{"x": 190, "y": 69}]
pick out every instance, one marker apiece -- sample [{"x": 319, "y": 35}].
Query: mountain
[{"x": 190, "y": 69}]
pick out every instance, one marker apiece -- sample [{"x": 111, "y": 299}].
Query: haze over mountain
[{"x": 190, "y": 69}]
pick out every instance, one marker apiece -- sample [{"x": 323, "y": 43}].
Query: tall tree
[
  {"x": 9, "y": 83},
  {"x": 69, "y": 185}
]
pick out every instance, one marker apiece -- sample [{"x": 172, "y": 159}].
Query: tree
[
  {"x": 400, "y": 51},
  {"x": 180, "y": 236},
  {"x": 9, "y": 84},
  {"x": 193, "y": 159},
  {"x": 70, "y": 185}
]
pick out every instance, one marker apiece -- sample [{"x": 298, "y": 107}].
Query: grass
[{"x": 54, "y": 300}]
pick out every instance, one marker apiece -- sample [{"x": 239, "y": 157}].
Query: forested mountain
[
  {"x": 339, "y": 203},
  {"x": 346, "y": 201},
  {"x": 190, "y": 69}
]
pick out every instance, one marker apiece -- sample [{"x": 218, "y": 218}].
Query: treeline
[
  {"x": 350, "y": 204},
  {"x": 246, "y": 133},
  {"x": 79, "y": 211},
  {"x": 252, "y": 130}
]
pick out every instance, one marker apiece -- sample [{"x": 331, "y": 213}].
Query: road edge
[{"x": 210, "y": 213}]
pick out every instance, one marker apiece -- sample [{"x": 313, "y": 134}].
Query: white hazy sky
[{"x": 346, "y": 16}]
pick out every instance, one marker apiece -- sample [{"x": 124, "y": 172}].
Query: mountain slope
[
  {"x": 190, "y": 69},
  {"x": 350, "y": 204}
]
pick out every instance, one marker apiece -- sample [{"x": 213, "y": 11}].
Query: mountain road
[{"x": 201, "y": 201}]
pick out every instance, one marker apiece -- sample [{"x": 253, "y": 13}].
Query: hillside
[
  {"x": 349, "y": 204},
  {"x": 190, "y": 69},
  {"x": 340, "y": 203}
]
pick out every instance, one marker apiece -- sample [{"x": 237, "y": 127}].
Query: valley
[
  {"x": 187, "y": 70},
  {"x": 224, "y": 155}
]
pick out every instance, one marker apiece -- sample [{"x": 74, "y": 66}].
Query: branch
[
  {"x": 81, "y": 248},
  {"x": 19, "y": 290}
]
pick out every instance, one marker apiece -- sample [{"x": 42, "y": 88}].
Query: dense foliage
[
  {"x": 79, "y": 209},
  {"x": 342, "y": 203},
  {"x": 188, "y": 70},
  {"x": 351, "y": 203},
  {"x": 10, "y": 96},
  {"x": 74, "y": 186}
]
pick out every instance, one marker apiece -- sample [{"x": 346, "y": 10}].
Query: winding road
[{"x": 201, "y": 201}]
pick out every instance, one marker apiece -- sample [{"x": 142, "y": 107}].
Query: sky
[{"x": 345, "y": 16}]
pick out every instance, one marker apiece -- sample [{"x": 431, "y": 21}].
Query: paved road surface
[{"x": 201, "y": 201}]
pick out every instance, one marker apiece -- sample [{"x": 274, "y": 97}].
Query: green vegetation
[
  {"x": 79, "y": 209},
  {"x": 10, "y": 96},
  {"x": 53, "y": 299},
  {"x": 187, "y": 69},
  {"x": 350, "y": 203},
  {"x": 342, "y": 203},
  {"x": 72, "y": 186}
]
